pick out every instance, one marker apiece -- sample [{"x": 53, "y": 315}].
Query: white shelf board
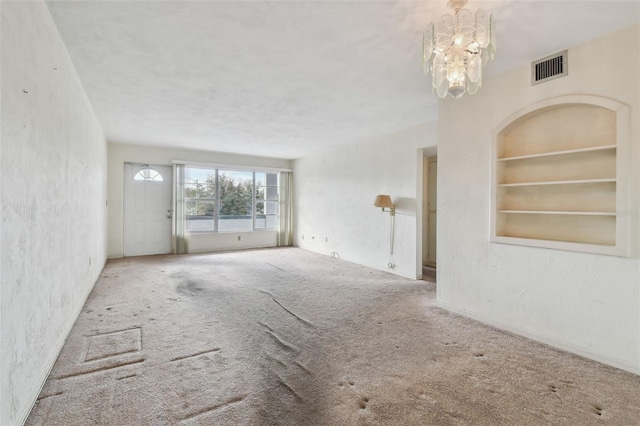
[
  {"x": 607, "y": 249},
  {"x": 572, "y": 213},
  {"x": 548, "y": 154},
  {"x": 560, "y": 182}
]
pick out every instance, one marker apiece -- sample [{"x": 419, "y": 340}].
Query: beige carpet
[{"x": 287, "y": 337}]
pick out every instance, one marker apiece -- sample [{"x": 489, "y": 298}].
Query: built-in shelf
[
  {"x": 560, "y": 182},
  {"x": 575, "y": 213},
  {"x": 559, "y": 176},
  {"x": 565, "y": 152}
]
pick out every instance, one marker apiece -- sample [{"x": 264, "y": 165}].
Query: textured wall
[
  {"x": 586, "y": 303},
  {"x": 120, "y": 154},
  {"x": 229, "y": 241},
  {"x": 334, "y": 194},
  {"x": 53, "y": 174}
]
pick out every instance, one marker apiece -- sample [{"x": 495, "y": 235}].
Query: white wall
[
  {"x": 119, "y": 154},
  {"x": 586, "y": 303},
  {"x": 203, "y": 242},
  {"x": 53, "y": 174},
  {"x": 334, "y": 192}
]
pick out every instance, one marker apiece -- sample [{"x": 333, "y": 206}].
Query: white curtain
[
  {"x": 285, "y": 230},
  {"x": 180, "y": 242}
]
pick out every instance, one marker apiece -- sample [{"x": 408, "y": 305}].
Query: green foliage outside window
[
  {"x": 235, "y": 196},
  {"x": 245, "y": 200}
]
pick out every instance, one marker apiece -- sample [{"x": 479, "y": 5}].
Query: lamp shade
[{"x": 383, "y": 201}]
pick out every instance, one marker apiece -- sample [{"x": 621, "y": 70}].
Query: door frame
[
  {"x": 431, "y": 160},
  {"x": 421, "y": 155},
  {"x": 170, "y": 178}
]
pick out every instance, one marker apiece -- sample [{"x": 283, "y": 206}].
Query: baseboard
[
  {"x": 231, "y": 248},
  {"x": 540, "y": 339},
  {"x": 401, "y": 272},
  {"x": 22, "y": 418}
]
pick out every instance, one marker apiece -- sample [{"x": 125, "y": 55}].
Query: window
[
  {"x": 148, "y": 174},
  {"x": 229, "y": 200},
  {"x": 200, "y": 196},
  {"x": 266, "y": 200},
  {"x": 236, "y": 203}
]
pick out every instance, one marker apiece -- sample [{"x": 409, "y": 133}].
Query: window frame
[
  {"x": 216, "y": 200},
  {"x": 268, "y": 200}
]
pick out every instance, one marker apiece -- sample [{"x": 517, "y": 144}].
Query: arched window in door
[{"x": 148, "y": 174}]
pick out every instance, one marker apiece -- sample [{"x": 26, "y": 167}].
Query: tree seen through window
[{"x": 233, "y": 193}]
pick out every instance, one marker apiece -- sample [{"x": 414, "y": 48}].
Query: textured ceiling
[{"x": 287, "y": 78}]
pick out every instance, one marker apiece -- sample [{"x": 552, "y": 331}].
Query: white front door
[{"x": 147, "y": 209}]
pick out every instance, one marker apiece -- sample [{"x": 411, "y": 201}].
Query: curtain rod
[{"x": 234, "y": 167}]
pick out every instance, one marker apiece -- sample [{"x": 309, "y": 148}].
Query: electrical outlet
[{"x": 239, "y": 237}]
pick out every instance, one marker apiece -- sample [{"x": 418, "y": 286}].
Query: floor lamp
[{"x": 384, "y": 202}]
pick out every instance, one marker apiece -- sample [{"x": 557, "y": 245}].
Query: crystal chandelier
[{"x": 456, "y": 49}]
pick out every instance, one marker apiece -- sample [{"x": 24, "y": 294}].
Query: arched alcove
[{"x": 559, "y": 176}]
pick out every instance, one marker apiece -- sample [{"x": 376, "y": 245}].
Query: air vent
[{"x": 548, "y": 68}]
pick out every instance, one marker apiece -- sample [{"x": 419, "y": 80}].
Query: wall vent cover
[{"x": 549, "y": 68}]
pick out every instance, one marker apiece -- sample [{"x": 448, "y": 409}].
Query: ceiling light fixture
[{"x": 456, "y": 48}]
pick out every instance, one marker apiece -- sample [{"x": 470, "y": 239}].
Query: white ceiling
[{"x": 287, "y": 78}]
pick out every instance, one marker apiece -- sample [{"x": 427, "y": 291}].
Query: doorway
[
  {"x": 147, "y": 209},
  {"x": 429, "y": 226}
]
